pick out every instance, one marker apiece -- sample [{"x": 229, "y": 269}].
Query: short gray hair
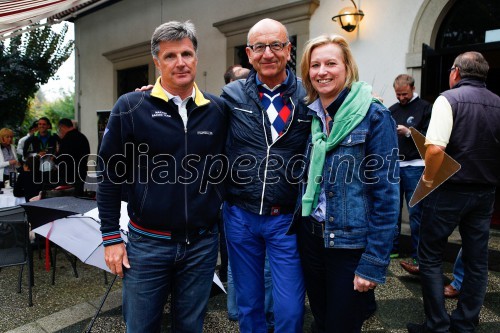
[
  {"x": 173, "y": 31},
  {"x": 472, "y": 64}
]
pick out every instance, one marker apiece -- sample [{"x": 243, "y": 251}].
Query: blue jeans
[
  {"x": 409, "y": 177},
  {"x": 232, "y": 306},
  {"x": 159, "y": 268},
  {"x": 471, "y": 209},
  {"x": 249, "y": 237},
  {"x": 458, "y": 271}
]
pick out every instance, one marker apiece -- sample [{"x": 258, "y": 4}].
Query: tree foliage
[
  {"x": 63, "y": 107},
  {"x": 26, "y": 62}
]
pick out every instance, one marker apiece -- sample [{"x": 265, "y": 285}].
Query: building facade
[{"x": 418, "y": 37}]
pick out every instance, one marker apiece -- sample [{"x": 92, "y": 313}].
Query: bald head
[
  {"x": 270, "y": 64},
  {"x": 267, "y": 25}
]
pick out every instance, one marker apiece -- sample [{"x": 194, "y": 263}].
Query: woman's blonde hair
[
  {"x": 4, "y": 132},
  {"x": 350, "y": 64}
]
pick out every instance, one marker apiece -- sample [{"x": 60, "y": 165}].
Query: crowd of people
[
  {"x": 45, "y": 161},
  {"x": 311, "y": 175},
  {"x": 303, "y": 179}
]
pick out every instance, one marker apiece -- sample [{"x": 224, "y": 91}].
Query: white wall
[
  {"x": 379, "y": 44},
  {"x": 130, "y": 22}
]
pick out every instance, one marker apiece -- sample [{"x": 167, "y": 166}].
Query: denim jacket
[{"x": 362, "y": 192}]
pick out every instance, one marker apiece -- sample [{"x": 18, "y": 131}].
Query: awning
[{"x": 19, "y": 14}]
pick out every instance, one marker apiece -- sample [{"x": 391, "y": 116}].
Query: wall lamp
[{"x": 349, "y": 17}]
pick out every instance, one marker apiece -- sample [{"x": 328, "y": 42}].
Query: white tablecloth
[{"x": 7, "y": 198}]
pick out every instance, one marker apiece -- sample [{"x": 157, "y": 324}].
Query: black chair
[{"x": 15, "y": 246}]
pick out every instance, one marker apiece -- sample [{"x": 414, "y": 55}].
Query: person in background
[
  {"x": 465, "y": 123},
  {"x": 410, "y": 111},
  {"x": 20, "y": 145},
  {"x": 452, "y": 290},
  {"x": 267, "y": 133},
  {"x": 71, "y": 160},
  {"x": 173, "y": 129},
  {"x": 233, "y": 72},
  {"x": 349, "y": 216},
  {"x": 8, "y": 157},
  {"x": 28, "y": 184},
  {"x": 44, "y": 144}
]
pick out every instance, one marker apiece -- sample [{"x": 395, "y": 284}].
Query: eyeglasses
[
  {"x": 452, "y": 69},
  {"x": 261, "y": 47}
]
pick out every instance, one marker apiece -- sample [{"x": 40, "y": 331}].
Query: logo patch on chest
[{"x": 160, "y": 114}]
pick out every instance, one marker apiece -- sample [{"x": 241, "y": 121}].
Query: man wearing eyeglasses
[
  {"x": 268, "y": 132},
  {"x": 465, "y": 123}
]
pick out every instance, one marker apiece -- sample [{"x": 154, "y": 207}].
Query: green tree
[{"x": 26, "y": 62}]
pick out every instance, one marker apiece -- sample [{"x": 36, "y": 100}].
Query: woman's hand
[{"x": 363, "y": 285}]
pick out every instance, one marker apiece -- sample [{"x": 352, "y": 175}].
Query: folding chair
[{"x": 15, "y": 246}]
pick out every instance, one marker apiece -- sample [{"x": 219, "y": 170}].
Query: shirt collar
[
  {"x": 284, "y": 83},
  {"x": 176, "y": 99}
]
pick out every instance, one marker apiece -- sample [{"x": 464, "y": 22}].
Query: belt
[{"x": 313, "y": 226}]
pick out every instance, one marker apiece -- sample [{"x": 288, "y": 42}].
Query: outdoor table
[{"x": 7, "y": 198}]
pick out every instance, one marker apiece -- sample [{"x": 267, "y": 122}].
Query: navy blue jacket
[
  {"x": 165, "y": 166},
  {"x": 264, "y": 174}
]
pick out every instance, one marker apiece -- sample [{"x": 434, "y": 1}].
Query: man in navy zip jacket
[
  {"x": 268, "y": 133},
  {"x": 165, "y": 146}
]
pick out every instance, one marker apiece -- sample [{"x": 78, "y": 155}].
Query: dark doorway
[
  {"x": 131, "y": 78},
  {"x": 463, "y": 29}
]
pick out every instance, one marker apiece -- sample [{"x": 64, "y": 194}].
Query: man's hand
[
  {"x": 363, "y": 285},
  {"x": 403, "y": 130},
  {"x": 116, "y": 258},
  {"x": 144, "y": 88}
]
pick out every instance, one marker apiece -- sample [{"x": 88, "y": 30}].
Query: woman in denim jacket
[{"x": 350, "y": 201}]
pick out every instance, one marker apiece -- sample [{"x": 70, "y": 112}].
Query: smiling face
[
  {"x": 177, "y": 63},
  {"x": 43, "y": 127},
  {"x": 270, "y": 65},
  {"x": 404, "y": 93},
  {"x": 327, "y": 72}
]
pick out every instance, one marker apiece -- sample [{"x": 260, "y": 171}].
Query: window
[{"x": 467, "y": 23}]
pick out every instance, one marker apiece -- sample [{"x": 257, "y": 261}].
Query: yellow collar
[{"x": 158, "y": 92}]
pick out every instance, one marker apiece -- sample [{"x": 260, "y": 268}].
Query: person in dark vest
[{"x": 465, "y": 123}]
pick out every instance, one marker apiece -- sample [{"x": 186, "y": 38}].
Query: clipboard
[{"x": 448, "y": 168}]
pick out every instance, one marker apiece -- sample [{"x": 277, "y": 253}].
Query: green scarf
[{"x": 352, "y": 111}]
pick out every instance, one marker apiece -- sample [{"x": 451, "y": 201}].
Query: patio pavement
[{"x": 67, "y": 306}]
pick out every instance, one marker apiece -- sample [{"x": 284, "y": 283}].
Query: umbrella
[
  {"x": 80, "y": 235},
  {"x": 47, "y": 210}
]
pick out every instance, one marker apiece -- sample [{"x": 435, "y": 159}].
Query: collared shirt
[
  {"x": 181, "y": 104},
  {"x": 319, "y": 213}
]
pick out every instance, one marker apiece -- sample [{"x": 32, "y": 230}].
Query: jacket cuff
[
  {"x": 371, "y": 269},
  {"x": 111, "y": 238}
]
